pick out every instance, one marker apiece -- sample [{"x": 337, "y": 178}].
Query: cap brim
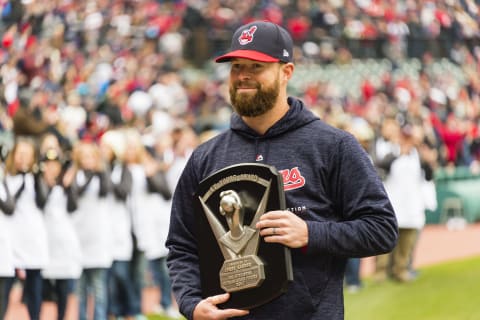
[{"x": 246, "y": 54}]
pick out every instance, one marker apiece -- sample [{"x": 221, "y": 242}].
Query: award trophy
[{"x": 233, "y": 256}]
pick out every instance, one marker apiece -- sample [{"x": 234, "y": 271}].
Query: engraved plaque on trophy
[{"x": 233, "y": 256}]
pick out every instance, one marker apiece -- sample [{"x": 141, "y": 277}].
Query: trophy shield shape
[{"x": 233, "y": 256}]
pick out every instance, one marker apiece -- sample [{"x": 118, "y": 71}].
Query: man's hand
[
  {"x": 283, "y": 227},
  {"x": 207, "y": 309}
]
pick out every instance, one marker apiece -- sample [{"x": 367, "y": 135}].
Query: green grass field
[
  {"x": 151, "y": 317},
  {"x": 443, "y": 292},
  {"x": 157, "y": 318},
  {"x": 446, "y": 291}
]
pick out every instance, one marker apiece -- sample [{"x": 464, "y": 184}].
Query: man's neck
[{"x": 262, "y": 123}]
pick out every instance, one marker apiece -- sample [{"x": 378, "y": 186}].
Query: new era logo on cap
[{"x": 261, "y": 41}]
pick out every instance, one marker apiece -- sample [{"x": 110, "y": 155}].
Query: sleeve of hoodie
[
  {"x": 182, "y": 259},
  {"x": 367, "y": 224}
]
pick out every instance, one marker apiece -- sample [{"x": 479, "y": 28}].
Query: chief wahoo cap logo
[{"x": 247, "y": 35}]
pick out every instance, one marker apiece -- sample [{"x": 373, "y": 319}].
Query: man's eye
[{"x": 256, "y": 67}]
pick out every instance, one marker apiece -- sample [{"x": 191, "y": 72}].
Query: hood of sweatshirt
[{"x": 296, "y": 117}]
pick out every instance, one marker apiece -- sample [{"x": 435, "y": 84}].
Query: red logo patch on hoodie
[{"x": 292, "y": 179}]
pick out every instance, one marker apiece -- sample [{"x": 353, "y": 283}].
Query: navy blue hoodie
[{"x": 329, "y": 182}]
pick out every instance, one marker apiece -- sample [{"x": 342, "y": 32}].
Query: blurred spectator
[
  {"x": 121, "y": 297},
  {"x": 406, "y": 192},
  {"x": 143, "y": 204},
  {"x": 33, "y": 117},
  {"x": 91, "y": 216},
  {"x": 7, "y": 269},
  {"x": 27, "y": 226},
  {"x": 160, "y": 202},
  {"x": 64, "y": 266}
]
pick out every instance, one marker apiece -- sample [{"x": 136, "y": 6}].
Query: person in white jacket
[
  {"x": 27, "y": 227},
  {"x": 160, "y": 200},
  {"x": 144, "y": 183},
  {"x": 92, "y": 221},
  {"x": 121, "y": 295},
  {"x": 404, "y": 184},
  {"x": 7, "y": 269},
  {"x": 64, "y": 266}
]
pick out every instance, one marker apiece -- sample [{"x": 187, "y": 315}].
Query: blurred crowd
[
  {"x": 136, "y": 77},
  {"x": 80, "y": 68}
]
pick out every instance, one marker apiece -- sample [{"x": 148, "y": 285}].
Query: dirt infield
[
  {"x": 436, "y": 244},
  {"x": 18, "y": 311}
]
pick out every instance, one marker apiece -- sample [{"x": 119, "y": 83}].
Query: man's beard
[{"x": 251, "y": 106}]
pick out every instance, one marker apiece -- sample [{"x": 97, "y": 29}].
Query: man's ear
[{"x": 287, "y": 70}]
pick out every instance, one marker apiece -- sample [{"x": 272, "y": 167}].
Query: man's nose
[{"x": 244, "y": 72}]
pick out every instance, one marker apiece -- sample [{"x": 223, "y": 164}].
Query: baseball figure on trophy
[{"x": 233, "y": 256}]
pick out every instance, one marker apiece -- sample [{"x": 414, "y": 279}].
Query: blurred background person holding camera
[{"x": 64, "y": 266}]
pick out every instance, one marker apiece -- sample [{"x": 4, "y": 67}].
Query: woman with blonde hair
[
  {"x": 121, "y": 298},
  {"x": 148, "y": 183},
  {"x": 28, "y": 231},
  {"x": 91, "y": 219}
]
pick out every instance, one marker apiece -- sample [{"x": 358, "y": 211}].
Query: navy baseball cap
[{"x": 260, "y": 41}]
